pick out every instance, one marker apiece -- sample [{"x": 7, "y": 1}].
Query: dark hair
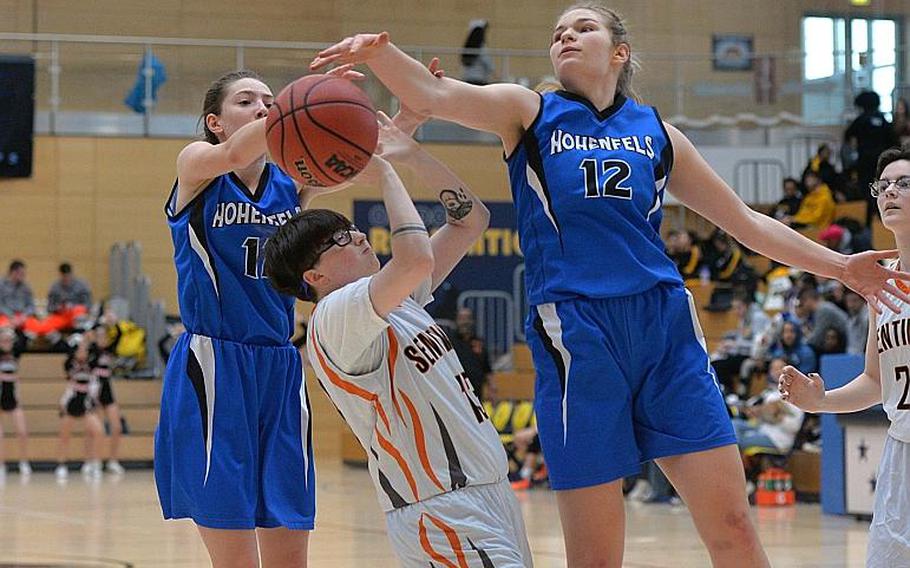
[
  {"x": 743, "y": 296},
  {"x": 807, "y": 293},
  {"x": 16, "y": 265},
  {"x": 214, "y": 97},
  {"x": 65, "y": 268},
  {"x": 792, "y": 180},
  {"x": 869, "y": 101},
  {"x": 293, "y": 250},
  {"x": 890, "y": 155}
]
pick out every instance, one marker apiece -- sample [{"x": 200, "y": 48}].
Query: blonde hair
[{"x": 616, "y": 24}]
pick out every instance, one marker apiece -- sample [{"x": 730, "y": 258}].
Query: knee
[{"x": 734, "y": 532}]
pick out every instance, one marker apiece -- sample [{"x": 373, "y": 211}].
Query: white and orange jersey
[
  {"x": 402, "y": 390},
  {"x": 893, "y": 338}
]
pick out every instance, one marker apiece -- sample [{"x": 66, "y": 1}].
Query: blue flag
[{"x": 136, "y": 97}]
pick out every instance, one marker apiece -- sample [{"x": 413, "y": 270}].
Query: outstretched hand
[
  {"x": 872, "y": 281},
  {"x": 346, "y": 72},
  {"x": 354, "y": 49},
  {"x": 394, "y": 145}
]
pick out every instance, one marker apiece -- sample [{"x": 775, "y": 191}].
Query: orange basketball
[{"x": 321, "y": 130}]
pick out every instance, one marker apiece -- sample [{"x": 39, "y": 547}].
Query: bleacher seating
[{"x": 40, "y": 388}]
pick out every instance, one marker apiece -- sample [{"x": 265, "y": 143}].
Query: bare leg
[
  {"x": 93, "y": 434},
  {"x": 713, "y": 485},
  {"x": 112, "y": 411},
  {"x": 283, "y": 548},
  {"x": 231, "y": 548},
  {"x": 21, "y": 433},
  {"x": 593, "y": 525},
  {"x": 63, "y": 440}
]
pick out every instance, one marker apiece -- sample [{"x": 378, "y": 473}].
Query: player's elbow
[{"x": 420, "y": 263}]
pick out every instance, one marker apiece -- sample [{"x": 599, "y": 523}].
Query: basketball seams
[
  {"x": 347, "y": 102},
  {"x": 303, "y": 143},
  {"x": 316, "y": 123}
]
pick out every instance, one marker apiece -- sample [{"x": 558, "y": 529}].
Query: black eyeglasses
[
  {"x": 341, "y": 237},
  {"x": 880, "y": 185}
]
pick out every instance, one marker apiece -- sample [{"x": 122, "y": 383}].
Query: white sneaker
[
  {"x": 113, "y": 466},
  {"x": 61, "y": 473},
  {"x": 91, "y": 469},
  {"x": 25, "y": 468},
  {"x": 641, "y": 491}
]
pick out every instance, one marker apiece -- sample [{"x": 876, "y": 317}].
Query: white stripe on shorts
[
  {"x": 552, "y": 325},
  {"x": 205, "y": 354}
]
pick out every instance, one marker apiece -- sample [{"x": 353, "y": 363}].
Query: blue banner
[{"x": 491, "y": 264}]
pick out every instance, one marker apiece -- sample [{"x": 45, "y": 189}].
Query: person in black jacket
[{"x": 870, "y": 134}]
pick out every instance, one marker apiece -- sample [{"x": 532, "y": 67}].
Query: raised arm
[
  {"x": 503, "y": 109},
  {"x": 697, "y": 186},
  {"x": 412, "y": 258},
  {"x": 466, "y": 216},
  {"x": 200, "y": 162},
  {"x": 808, "y": 392}
]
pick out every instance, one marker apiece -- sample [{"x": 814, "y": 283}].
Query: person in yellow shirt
[{"x": 817, "y": 207}]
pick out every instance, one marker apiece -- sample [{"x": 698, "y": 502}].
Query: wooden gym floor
[{"x": 116, "y": 522}]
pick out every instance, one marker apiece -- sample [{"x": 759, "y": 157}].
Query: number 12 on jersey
[{"x": 615, "y": 173}]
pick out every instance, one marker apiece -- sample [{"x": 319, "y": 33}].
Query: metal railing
[{"x": 81, "y": 80}]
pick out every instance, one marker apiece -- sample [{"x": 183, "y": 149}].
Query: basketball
[{"x": 321, "y": 130}]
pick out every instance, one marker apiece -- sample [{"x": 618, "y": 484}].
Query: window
[{"x": 870, "y": 50}]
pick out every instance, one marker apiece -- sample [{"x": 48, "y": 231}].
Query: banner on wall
[{"x": 489, "y": 265}]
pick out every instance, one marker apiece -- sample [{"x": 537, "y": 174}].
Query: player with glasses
[
  {"x": 435, "y": 459},
  {"x": 879, "y": 186},
  {"x": 885, "y": 378}
]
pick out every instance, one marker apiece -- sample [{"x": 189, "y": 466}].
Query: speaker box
[{"x": 17, "y": 115}]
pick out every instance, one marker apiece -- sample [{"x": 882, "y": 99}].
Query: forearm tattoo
[
  {"x": 457, "y": 203},
  {"x": 408, "y": 228}
]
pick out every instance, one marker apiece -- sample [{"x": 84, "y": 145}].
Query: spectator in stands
[
  {"x": 101, "y": 359},
  {"x": 817, "y": 316},
  {"x": 817, "y": 207},
  {"x": 9, "y": 400},
  {"x": 789, "y": 203},
  {"x": 736, "y": 346},
  {"x": 792, "y": 347},
  {"x": 685, "y": 254},
  {"x": 820, "y": 164},
  {"x": 834, "y": 343},
  {"x": 846, "y": 237},
  {"x": 857, "y": 323},
  {"x": 533, "y": 470},
  {"x": 473, "y": 354},
  {"x": 175, "y": 329},
  {"x": 78, "y": 404},
  {"x": 833, "y": 291},
  {"x": 902, "y": 120},
  {"x": 870, "y": 134},
  {"x": 724, "y": 257},
  {"x": 767, "y": 421},
  {"x": 477, "y": 68},
  {"x": 16, "y": 300},
  {"x": 68, "y": 292}
]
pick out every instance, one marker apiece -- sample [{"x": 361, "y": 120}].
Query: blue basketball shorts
[
  {"x": 233, "y": 448},
  {"x": 621, "y": 381}
]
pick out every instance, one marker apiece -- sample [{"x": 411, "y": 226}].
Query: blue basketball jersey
[
  {"x": 219, "y": 242},
  {"x": 588, "y": 187}
]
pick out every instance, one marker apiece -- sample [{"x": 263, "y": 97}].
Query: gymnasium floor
[{"x": 116, "y": 523}]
